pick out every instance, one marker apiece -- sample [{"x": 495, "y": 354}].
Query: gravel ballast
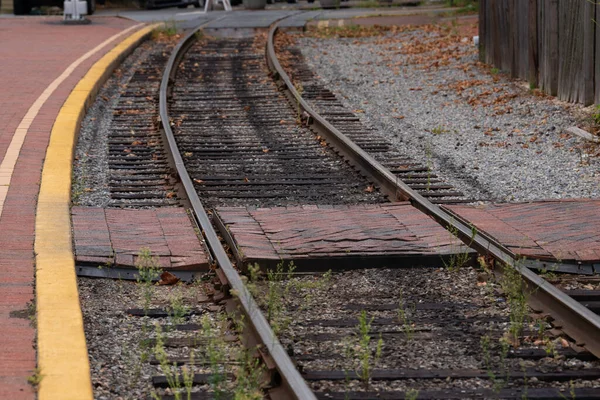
[
  {"x": 119, "y": 350},
  {"x": 448, "y": 315},
  {"x": 489, "y": 135}
]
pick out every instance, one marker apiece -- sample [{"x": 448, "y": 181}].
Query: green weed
[
  {"x": 438, "y": 130},
  {"x": 215, "y": 356},
  {"x": 512, "y": 285},
  {"x": 457, "y": 260},
  {"x": 361, "y": 354},
  {"x": 36, "y": 378},
  {"x": 168, "y": 29},
  {"x": 498, "y": 381},
  {"x": 248, "y": 374},
  {"x": 411, "y": 394},
  {"x": 404, "y": 316},
  {"x": 170, "y": 371},
  {"x": 148, "y": 271},
  {"x": 177, "y": 308}
]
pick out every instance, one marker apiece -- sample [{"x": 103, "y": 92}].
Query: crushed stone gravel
[
  {"x": 491, "y": 136},
  {"x": 446, "y": 316},
  {"x": 118, "y": 354},
  {"x": 90, "y": 172}
]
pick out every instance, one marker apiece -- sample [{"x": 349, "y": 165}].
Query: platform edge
[{"x": 62, "y": 351}]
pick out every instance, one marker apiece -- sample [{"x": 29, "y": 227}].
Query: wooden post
[
  {"x": 513, "y": 26},
  {"x": 552, "y": 45},
  {"x": 589, "y": 29},
  {"x": 533, "y": 61},
  {"x": 597, "y": 56},
  {"x": 482, "y": 29}
]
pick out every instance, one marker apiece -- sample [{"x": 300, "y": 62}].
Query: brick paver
[
  {"x": 114, "y": 237},
  {"x": 33, "y": 52},
  {"x": 390, "y": 234},
  {"x": 563, "y": 230}
]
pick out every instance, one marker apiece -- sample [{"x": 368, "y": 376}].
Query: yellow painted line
[
  {"x": 62, "y": 351},
  {"x": 9, "y": 161}
]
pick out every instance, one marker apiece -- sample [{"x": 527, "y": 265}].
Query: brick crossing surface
[
  {"x": 305, "y": 232},
  {"x": 564, "y": 230},
  {"x": 114, "y": 237},
  {"x": 33, "y": 52}
]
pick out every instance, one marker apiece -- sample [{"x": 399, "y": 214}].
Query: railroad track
[
  {"x": 241, "y": 143},
  {"x": 575, "y": 319},
  {"x": 418, "y": 175},
  {"x": 235, "y": 139},
  {"x": 139, "y": 172}
]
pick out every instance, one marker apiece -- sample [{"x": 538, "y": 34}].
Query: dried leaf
[{"x": 167, "y": 278}]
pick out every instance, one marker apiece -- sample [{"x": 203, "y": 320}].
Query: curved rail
[
  {"x": 294, "y": 385},
  {"x": 577, "y": 321}
]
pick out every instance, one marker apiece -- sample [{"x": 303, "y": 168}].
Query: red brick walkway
[
  {"x": 115, "y": 237},
  {"x": 342, "y": 236},
  {"x": 34, "y": 52},
  {"x": 565, "y": 230}
]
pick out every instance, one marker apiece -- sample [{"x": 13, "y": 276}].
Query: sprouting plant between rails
[
  {"x": 148, "y": 271},
  {"x": 247, "y": 377},
  {"x": 404, "y": 317},
  {"x": 525, "y": 381},
  {"x": 361, "y": 353},
  {"x": 572, "y": 393},
  {"x": 459, "y": 259},
  {"x": 501, "y": 380},
  {"x": 273, "y": 301},
  {"x": 514, "y": 290},
  {"x": 174, "y": 380},
  {"x": 177, "y": 308},
  {"x": 411, "y": 394},
  {"x": 216, "y": 355}
]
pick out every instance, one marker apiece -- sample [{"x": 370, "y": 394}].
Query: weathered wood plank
[
  {"x": 589, "y": 29},
  {"x": 532, "y": 50},
  {"x": 552, "y": 47},
  {"x": 554, "y": 44},
  {"x": 597, "y": 56},
  {"x": 483, "y": 6}
]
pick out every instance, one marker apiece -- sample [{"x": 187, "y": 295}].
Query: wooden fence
[{"x": 554, "y": 44}]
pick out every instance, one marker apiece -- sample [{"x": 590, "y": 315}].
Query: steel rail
[
  {"x": 294, "y": 385},
  {"x": 576, "y": 320}
]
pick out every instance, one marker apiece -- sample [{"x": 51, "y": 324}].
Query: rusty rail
[
  {"x": 576, "y": 320},
  {"x": 292, "y": 384}
]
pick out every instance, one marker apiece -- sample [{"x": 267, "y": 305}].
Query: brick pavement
[
  {"x": 563, "y": 230},
  {"x": 33, "y": 52},
  {"x": 114, "y": 237},
  {"x": 342, "y": 236}
]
